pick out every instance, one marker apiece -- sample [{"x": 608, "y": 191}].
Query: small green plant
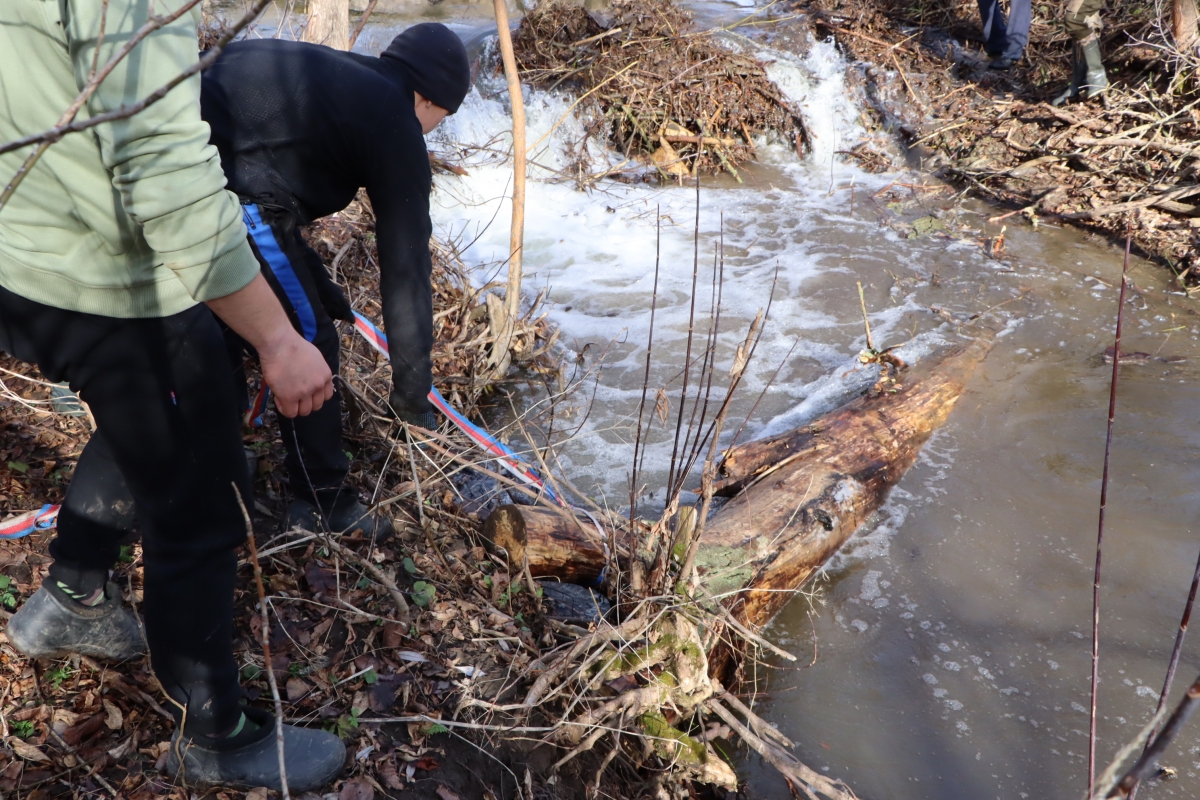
[
  {"x": 251, "y": 672},
  {"x": 8, "y": 593},
  {"x": 345, "y": 725},
  {"x": 509, "y": 593},
  {"x": 410, "y": 566},
  {"x": 437, "y": 728},
  {"x": 487, "y": 581},
  {"x": 363, "y": 583},
  {"x": 423, "y": 593},
  {"x": 57, "y": 675},
  {"x": 370, "y": 677},
  {"x": 25, "y": 728},
  {"x": 126, "y": 555},
  {"x": 295, "y": 669},
  {"x": 18, "y": 466}
]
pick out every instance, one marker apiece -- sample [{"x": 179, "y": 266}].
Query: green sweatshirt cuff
[{"x": 222, "y": 276}]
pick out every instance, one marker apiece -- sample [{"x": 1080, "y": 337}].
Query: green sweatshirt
[{"x": 130, "y": 218}]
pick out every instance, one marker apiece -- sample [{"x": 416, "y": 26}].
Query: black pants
[
  {"x": 168, "y": 446},
  {"x": 316, "y": 460}
]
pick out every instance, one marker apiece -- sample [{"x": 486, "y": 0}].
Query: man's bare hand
[
  {"x": 292, "y": 367},
  {"x": 297, "y": 374}
]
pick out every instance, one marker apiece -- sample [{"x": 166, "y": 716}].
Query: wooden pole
[
  {"x": 328, "y": 24},
  {"x": 516, "y": 239},
  {"x": 1185, "y": 23},
  {"x": 362, "y": 23}
]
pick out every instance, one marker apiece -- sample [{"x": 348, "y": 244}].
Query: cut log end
[{"x": 555, "y": 542}]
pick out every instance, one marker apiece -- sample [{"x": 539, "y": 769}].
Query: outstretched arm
[{"x": 399, "y": 190}]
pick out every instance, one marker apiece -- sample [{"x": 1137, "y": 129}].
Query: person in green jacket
[{"x": 115, "y": 253}]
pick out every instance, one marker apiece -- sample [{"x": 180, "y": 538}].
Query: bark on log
[
  {"x": 810, "y": 489},
  {"x": 558, "y": 543}
]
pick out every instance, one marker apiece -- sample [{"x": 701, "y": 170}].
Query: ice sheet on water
[{"x": 870, "y": 585}]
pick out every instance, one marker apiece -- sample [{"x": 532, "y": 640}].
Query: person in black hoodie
[{"x": 300, "y": 129}]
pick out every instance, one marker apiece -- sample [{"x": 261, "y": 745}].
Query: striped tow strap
[
  {"x": 24, "y": 524},
  {"x": 504, "y": 455},
  {"x": 513, "y": 463},
  {"x": 47, "y": 516}
]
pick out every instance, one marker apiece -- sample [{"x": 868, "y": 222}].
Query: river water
[{"x": 953, "y": 633}]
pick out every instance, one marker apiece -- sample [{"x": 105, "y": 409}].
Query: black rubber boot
[
  {"x": 1078, "y": 77},
  {"x": 345, "y": 514},
  {"x": 52, "y": 625},
  {"x": 1095, "y": 78},
  {"x": 313, "y": 758}
]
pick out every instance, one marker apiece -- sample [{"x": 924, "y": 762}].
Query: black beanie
[{"x": 436, "y": 62}]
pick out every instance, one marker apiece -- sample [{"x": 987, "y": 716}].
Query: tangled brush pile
[{"x": 664, "y": 90}]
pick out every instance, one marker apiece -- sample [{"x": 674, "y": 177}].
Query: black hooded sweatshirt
[{"x": 304, "y": 127}]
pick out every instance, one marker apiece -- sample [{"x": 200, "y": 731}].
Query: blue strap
[{"x": 268, "y": 248}]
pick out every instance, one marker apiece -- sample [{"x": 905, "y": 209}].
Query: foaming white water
[
  {"x": 595, "y": 252},
  {"x": 816, "y": 84}
]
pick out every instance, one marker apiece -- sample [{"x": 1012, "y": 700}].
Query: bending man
[
  {"x": 110, "y": 252},
  {"x": 300, "y": 129}
]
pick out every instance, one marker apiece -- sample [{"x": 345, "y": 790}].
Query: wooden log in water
[
  {"x": 798, "y": 497},
  {"x": 559, "y": 543},
  {"x": 803, "y": 494}
]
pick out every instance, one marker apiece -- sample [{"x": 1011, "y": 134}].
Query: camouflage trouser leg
[{"x": 1083, "y": 19}]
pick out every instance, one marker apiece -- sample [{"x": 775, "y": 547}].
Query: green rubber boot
[
  {"x": 1096, "y": 79},
  {"x": 1078, "y": 77}
]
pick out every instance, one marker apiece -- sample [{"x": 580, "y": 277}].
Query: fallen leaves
[
  {"x": 27, "y": 751},
  {"x": 357, "y": 789}
]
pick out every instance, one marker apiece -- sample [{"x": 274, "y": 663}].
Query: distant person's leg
[
  {"x": 994, "y": 28},
  {"x": 1020, "y": 16},
  {"x": 1088, "y": 77}
]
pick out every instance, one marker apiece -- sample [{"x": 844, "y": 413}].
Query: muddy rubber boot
[
  {"x": 1095, "y": 78},
  {"x": 52, "y": 625},
  {"x": 1078, "y": 77},
  {"x": 312, "y": 758},
  {"x": 347, "y": 514}
]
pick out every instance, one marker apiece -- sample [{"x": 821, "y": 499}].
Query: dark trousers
[
  {"x": 1003, "y": 38},
  {"x": 167, "y": 448},
  {"x": 316, "y": 460}
]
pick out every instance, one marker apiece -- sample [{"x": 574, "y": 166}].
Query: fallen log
[
  {"x": 798, "y": 497},
  {"x": 803, "y": 493},
  {"x": 559, "y": 543}
]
